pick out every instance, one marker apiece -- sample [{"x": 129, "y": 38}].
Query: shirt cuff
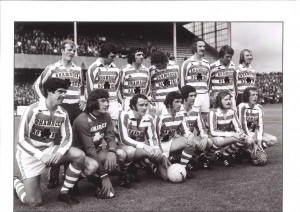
[
  {"x": 140, "y": 145},
  {"x": 82, "y": 98},
  {"x": 62, "y": 151},
  {"x": 228, "y": 134}
]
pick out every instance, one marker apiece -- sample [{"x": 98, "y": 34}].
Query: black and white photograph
[{"x": 146, "y": 113}]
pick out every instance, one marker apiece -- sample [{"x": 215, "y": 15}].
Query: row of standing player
[{"x": 104, "y": 74}]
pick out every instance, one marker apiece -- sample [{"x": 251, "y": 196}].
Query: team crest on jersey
[
  {"x": 166, "y": 82},
  {"x": 227, "y": 80},
  {"x": 137, "y": 90},
  {"x": 248, "y": 80},
  {"x": 46, "y": 133},
  {"x": 199, "y": 76},
  {"x": 106, "y": 85}
]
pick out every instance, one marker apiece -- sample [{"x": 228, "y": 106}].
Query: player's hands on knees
[
  {"x": 202, "y": 143},
  {"x": 54, "y": 158},
  {"x": 82, "y": 105},
  {"x": 165, "y": 162},
  {"x": 45, "y": 159},
  {"x": 107, "y": 190},
  {"x": 191, "y": 139},
  {"x": 110, "y": 162}
]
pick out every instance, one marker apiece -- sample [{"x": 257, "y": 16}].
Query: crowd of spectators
[
  {"x": 45, "y": 43},
  {"x": 270, "y": 87},
  {"x": 24, "y": 94}
]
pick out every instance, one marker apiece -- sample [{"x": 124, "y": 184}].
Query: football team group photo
[{"x": 145, "y": 116}]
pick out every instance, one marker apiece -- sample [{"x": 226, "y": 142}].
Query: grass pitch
[{"x": 241, "y": 188}]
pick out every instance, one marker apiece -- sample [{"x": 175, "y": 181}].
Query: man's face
[
  {"x": 58, "y": 96},
  {"x": 248, "y": 57},
  {"x": 110, "y": 58},
  {"x": 226, "y": 58},
  {"x": 253, "y": 98},
  {"x": 226, "y": 102},
  {"x": 139, "y": 57},
  {"x": 177, "y": 104},
  {"x": 191, "y": 98},
  {"x": 68, "y": 53},
  {"x": 141, "y": 106},
  {"x": 200, "y": 48},
  {"x": 103, "y": 105}
]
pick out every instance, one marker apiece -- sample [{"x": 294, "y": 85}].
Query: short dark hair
[
  {"x": 92, "y": 101},
  {"x": 194, "y": 44},
  {"x": 171, "y": 97},
  {"x": 52, "y": 84},
  {"x": 246, "y": 93},
  {"x": 186, "y": 90},
  {"x": 134, "y": 100},
  {"x": 159, "y": 57},
  {"x": 225, "y": 49},
  {"x": 219, "y": 98},
  {"x": 131, "y": 54},
  {"x": 242, "y": 58},
  {"x": 107, "y": 48},
  {"x": 67, "y": 41}
]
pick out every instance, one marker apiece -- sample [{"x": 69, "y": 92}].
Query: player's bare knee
[
  {"x": 121, "y": 155},
  {"x": 90, "y": 168},
  {"x": 273, "y": 141},
  {"x": 79, "y": 156}
]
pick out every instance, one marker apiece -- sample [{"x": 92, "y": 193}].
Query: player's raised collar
[
  {"x": 131, "y": 66},
  {"x": 164, "y": 112},
  {"x": 241, "y": 66},
  {"x": 218, "y": 63},
  {"x": 193, "y": 59},
  {"x": 256, "y": 107},
  {"x": 59, "y": 64},
  {"x": 42, "y": 106},
  {"x": 99, "y": 63}
]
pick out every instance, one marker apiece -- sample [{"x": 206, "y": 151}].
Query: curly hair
[
  {"x": 194, "y": 44},
  {"x": 225, "y": 49},
  {"x": 64, "y": 42},
  {"x": 52, "y": 84},
  {"x": 219, "y": 98},
  {"x": 107, "y": 48},
  {"x": 246, "y": 93},
  {"x": 186, "y": 90},
  {"x": 242, "y": 58},
  {"x": 92, "y": 102},
  {"x": 171, "y": 97},
  {"x": 159, "y": 57},
  {"x": 132, "y": 52},
  {"x": 134, "y": 100}
]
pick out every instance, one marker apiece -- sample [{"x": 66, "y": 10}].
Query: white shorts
[
  {"x": 29, "y": 165},
  {"x": 202, "y": 102},
  {"x": 166, "y": 147},
  {"x": 114, "y": 109}
]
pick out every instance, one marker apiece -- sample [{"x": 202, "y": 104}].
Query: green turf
[{"x": 241, "y": 188}]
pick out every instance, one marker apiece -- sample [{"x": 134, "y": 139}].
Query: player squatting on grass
[{"x": 142, "y": 140}]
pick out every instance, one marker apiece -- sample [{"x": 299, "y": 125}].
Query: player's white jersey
[
  {"x": 166, "y": 125},
  {"x": 195, "y": 73},
  {"x": 244, "y": 77},
  {"x": 251, "y": 119},
  {"x": 164, "y": 81},
  {"x": 194, "y": 120},
  {"x": 222, "y": 125},
  {"x": 133, "y": 81},
  {"x": 222, "y": 78},
  {"x": 39, "y": 128},
  {"x": 137, "y": 134},
  {"x": 57, "y": 70},
  {"x": 100, "y": 77}
]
